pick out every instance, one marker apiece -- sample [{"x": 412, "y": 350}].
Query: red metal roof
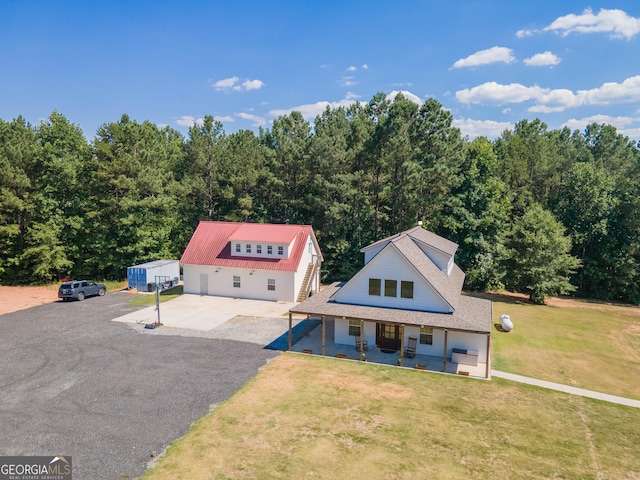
[
  {"x": 265, "y": 232},
  {"x": 211, "y": 245}
]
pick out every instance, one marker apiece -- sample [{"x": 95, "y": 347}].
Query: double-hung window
[
  {"x": 238, "y": 248},
  {"x": 236, "y": 281},
  {"x": 258, "y": 249},
  {"x": 354, "y": 328},
  {"x": 426, "y": 335},
  {"x": 390, "y": 288},
  {"x": 271, "y": 284},
  {"x": 248, "y": 248},
  {"x": 375, "y": 285},
  {"x": 269, "y": 250},
  {"x": 280, "y": 250},
  {"x": 406, "y": 289}
]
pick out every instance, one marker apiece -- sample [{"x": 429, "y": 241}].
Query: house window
[
  {"x": 236, "y": 282},
  {"x": 280, "y": 250},
  {"x": 238, "y": 248},
  {"x": 271, "y": 284},
  {"x": 258, "y": 249},
  {"x": 406, "y": 289},
  {"x": 426, "y": 335},
  {"x": 390, "y": 288},
  {"x": 354, "y": 328},
  {"x": 269, "y": 250},
  {"x": 248, "y": 248},
  {"x": 374, "y": 286}
]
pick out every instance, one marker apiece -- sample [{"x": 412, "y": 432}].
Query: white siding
[
  {"x": 390, "y": 264},
  {"x": 372, "y": 252},
  {"x": 287, "y": 248},
  {"x": 342, "y": 337},
  {"x": 443, "y": 260},
  {"x": 252, "y": 285}
]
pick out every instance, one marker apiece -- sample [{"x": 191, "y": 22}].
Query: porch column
[
  {"x": 307, "y": 334},
  {"x": 323, "y": 333},
  {"x": 401, "y": 346},
  {"x": 290, "y": 333},
  {"x": 361, "y": 338},
  {"x": 487, "y": 369},
  {"x": 444, "y": 354}
]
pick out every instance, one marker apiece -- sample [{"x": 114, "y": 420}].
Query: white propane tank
[{"x": 505, "y": 322}]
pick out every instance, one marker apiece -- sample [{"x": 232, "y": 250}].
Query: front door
[{"x": 388, "y": 336}]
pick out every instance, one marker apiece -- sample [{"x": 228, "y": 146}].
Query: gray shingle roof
[
  {"x": 472, "y": 314},
  {"x": 419, "y": 233}
]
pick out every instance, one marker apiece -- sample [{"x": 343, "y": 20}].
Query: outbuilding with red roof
[{"x": 277, "y": 262}]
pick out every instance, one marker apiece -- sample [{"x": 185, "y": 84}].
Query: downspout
[{"x": 444, "y": 355}]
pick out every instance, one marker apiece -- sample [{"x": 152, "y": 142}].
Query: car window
[
  {"x": 76, "y": 285},
  {"x": 84, "y": 284},
  {"x": 91, "y": 283}
]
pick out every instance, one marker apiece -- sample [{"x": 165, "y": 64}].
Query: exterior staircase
[{"x": 306, "y": 282}]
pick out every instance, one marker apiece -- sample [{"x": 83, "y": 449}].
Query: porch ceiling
[{"x": 471, "y": 315}]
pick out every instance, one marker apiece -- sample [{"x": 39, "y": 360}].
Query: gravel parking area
[{"x": 72, "y": 382}]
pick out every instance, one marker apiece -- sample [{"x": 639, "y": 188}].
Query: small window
[
  {"x": 374, "y": 286},
  {"x": 258, "y": 249},
  {"x": 238, "y": 250},
  {"x": 406, "y": 289},
  {"x": 271, "y": 284},
  {"x": 390, "y": 288},
  {"x": 248, "y": 248},
  {"x": 280, "y": 250},
  {"x": 236, "y": 282},
  {"x": 354, "y": 328},
  {"x": 269, "y": 250},
  {"x": 426, "y": 335}
]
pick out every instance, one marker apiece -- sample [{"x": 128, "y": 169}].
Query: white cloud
[
  {"x": 225, "y": 83},
  {"x": 492, "y": 93},
  {"x": 542, "y": 60},
  {"x": 365, "y": 66},
  {"x": 226, "y": 119},
  {"x": 351, "y": 96},
  {"x": 348, "y": 81},
  {"x": 250, "y": 85},
  {"x": 257, "y": 121},
  {"x": 485, "y": 57},
  {"x": 627, "y": 126},
  {"x": 310, "y": 111},
  {"x": 352, "y": 68},
  {"x": 231, "y": 83},
  {"x": 548, "y": 100},
  {"x": 477, "y": 128},
  {"x": 524, "y": 33},
  {"x": 615, "y": 22},
  {"x": 189, "y": 121},
  {"x": 406, "y": 94}
]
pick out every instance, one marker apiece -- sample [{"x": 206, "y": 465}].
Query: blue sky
[{"x": 490, "y": 62}]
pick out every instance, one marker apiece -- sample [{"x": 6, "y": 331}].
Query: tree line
[{"x": 536, "y": 211}]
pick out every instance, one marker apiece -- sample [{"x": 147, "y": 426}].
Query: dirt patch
[
  {"x": 13, "y": 299},
  {"x": 562, "y": 302}
]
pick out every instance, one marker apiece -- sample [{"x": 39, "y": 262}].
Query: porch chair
[
  {"x": 365, "y": 345},
  {"x": 410, "y": 349}
]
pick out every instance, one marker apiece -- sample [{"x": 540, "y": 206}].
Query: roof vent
[{"x": 419, "y": 223}]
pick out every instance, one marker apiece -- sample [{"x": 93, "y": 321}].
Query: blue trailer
[{"x": 143, "y": 277}]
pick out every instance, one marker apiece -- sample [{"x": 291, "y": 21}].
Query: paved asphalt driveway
[{"x": 72, "y": 382}]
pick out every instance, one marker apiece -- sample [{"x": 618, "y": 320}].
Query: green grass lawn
[
  {"x": 312, "y": 417},
  {"x": 588, "y": 345}
]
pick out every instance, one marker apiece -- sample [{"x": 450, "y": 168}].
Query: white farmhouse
[
  {"x": 409, "y": 292},
  {"x": 250, "y": 260}
]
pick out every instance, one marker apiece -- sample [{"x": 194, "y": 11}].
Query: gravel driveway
[{"x": 72, "y": 382}]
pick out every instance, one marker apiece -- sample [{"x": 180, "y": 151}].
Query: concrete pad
[{"x": 203, "y": 312}]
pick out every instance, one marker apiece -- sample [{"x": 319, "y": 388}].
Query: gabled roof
[
  {"x": 211, "y": 245},
  {"x": 420, "y": 234},
  {"x": 447, "y": 286}
]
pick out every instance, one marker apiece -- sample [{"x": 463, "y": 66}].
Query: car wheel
[
  {"x": 101, "y": 292},
  {"x": 80, "y": 296}
]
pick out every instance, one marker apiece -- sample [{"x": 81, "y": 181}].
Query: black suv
[{"x": 79, "y": 289}]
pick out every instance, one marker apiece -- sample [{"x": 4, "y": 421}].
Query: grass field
[
  {"x": 323, "y": 418},
  {"x": 311, "y": 417},
  {"x": 584, "y": 344}
]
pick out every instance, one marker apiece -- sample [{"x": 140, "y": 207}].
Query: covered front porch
[
  {"x": 318, "y": 343},
  {"x": 457, "y": 343}
]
